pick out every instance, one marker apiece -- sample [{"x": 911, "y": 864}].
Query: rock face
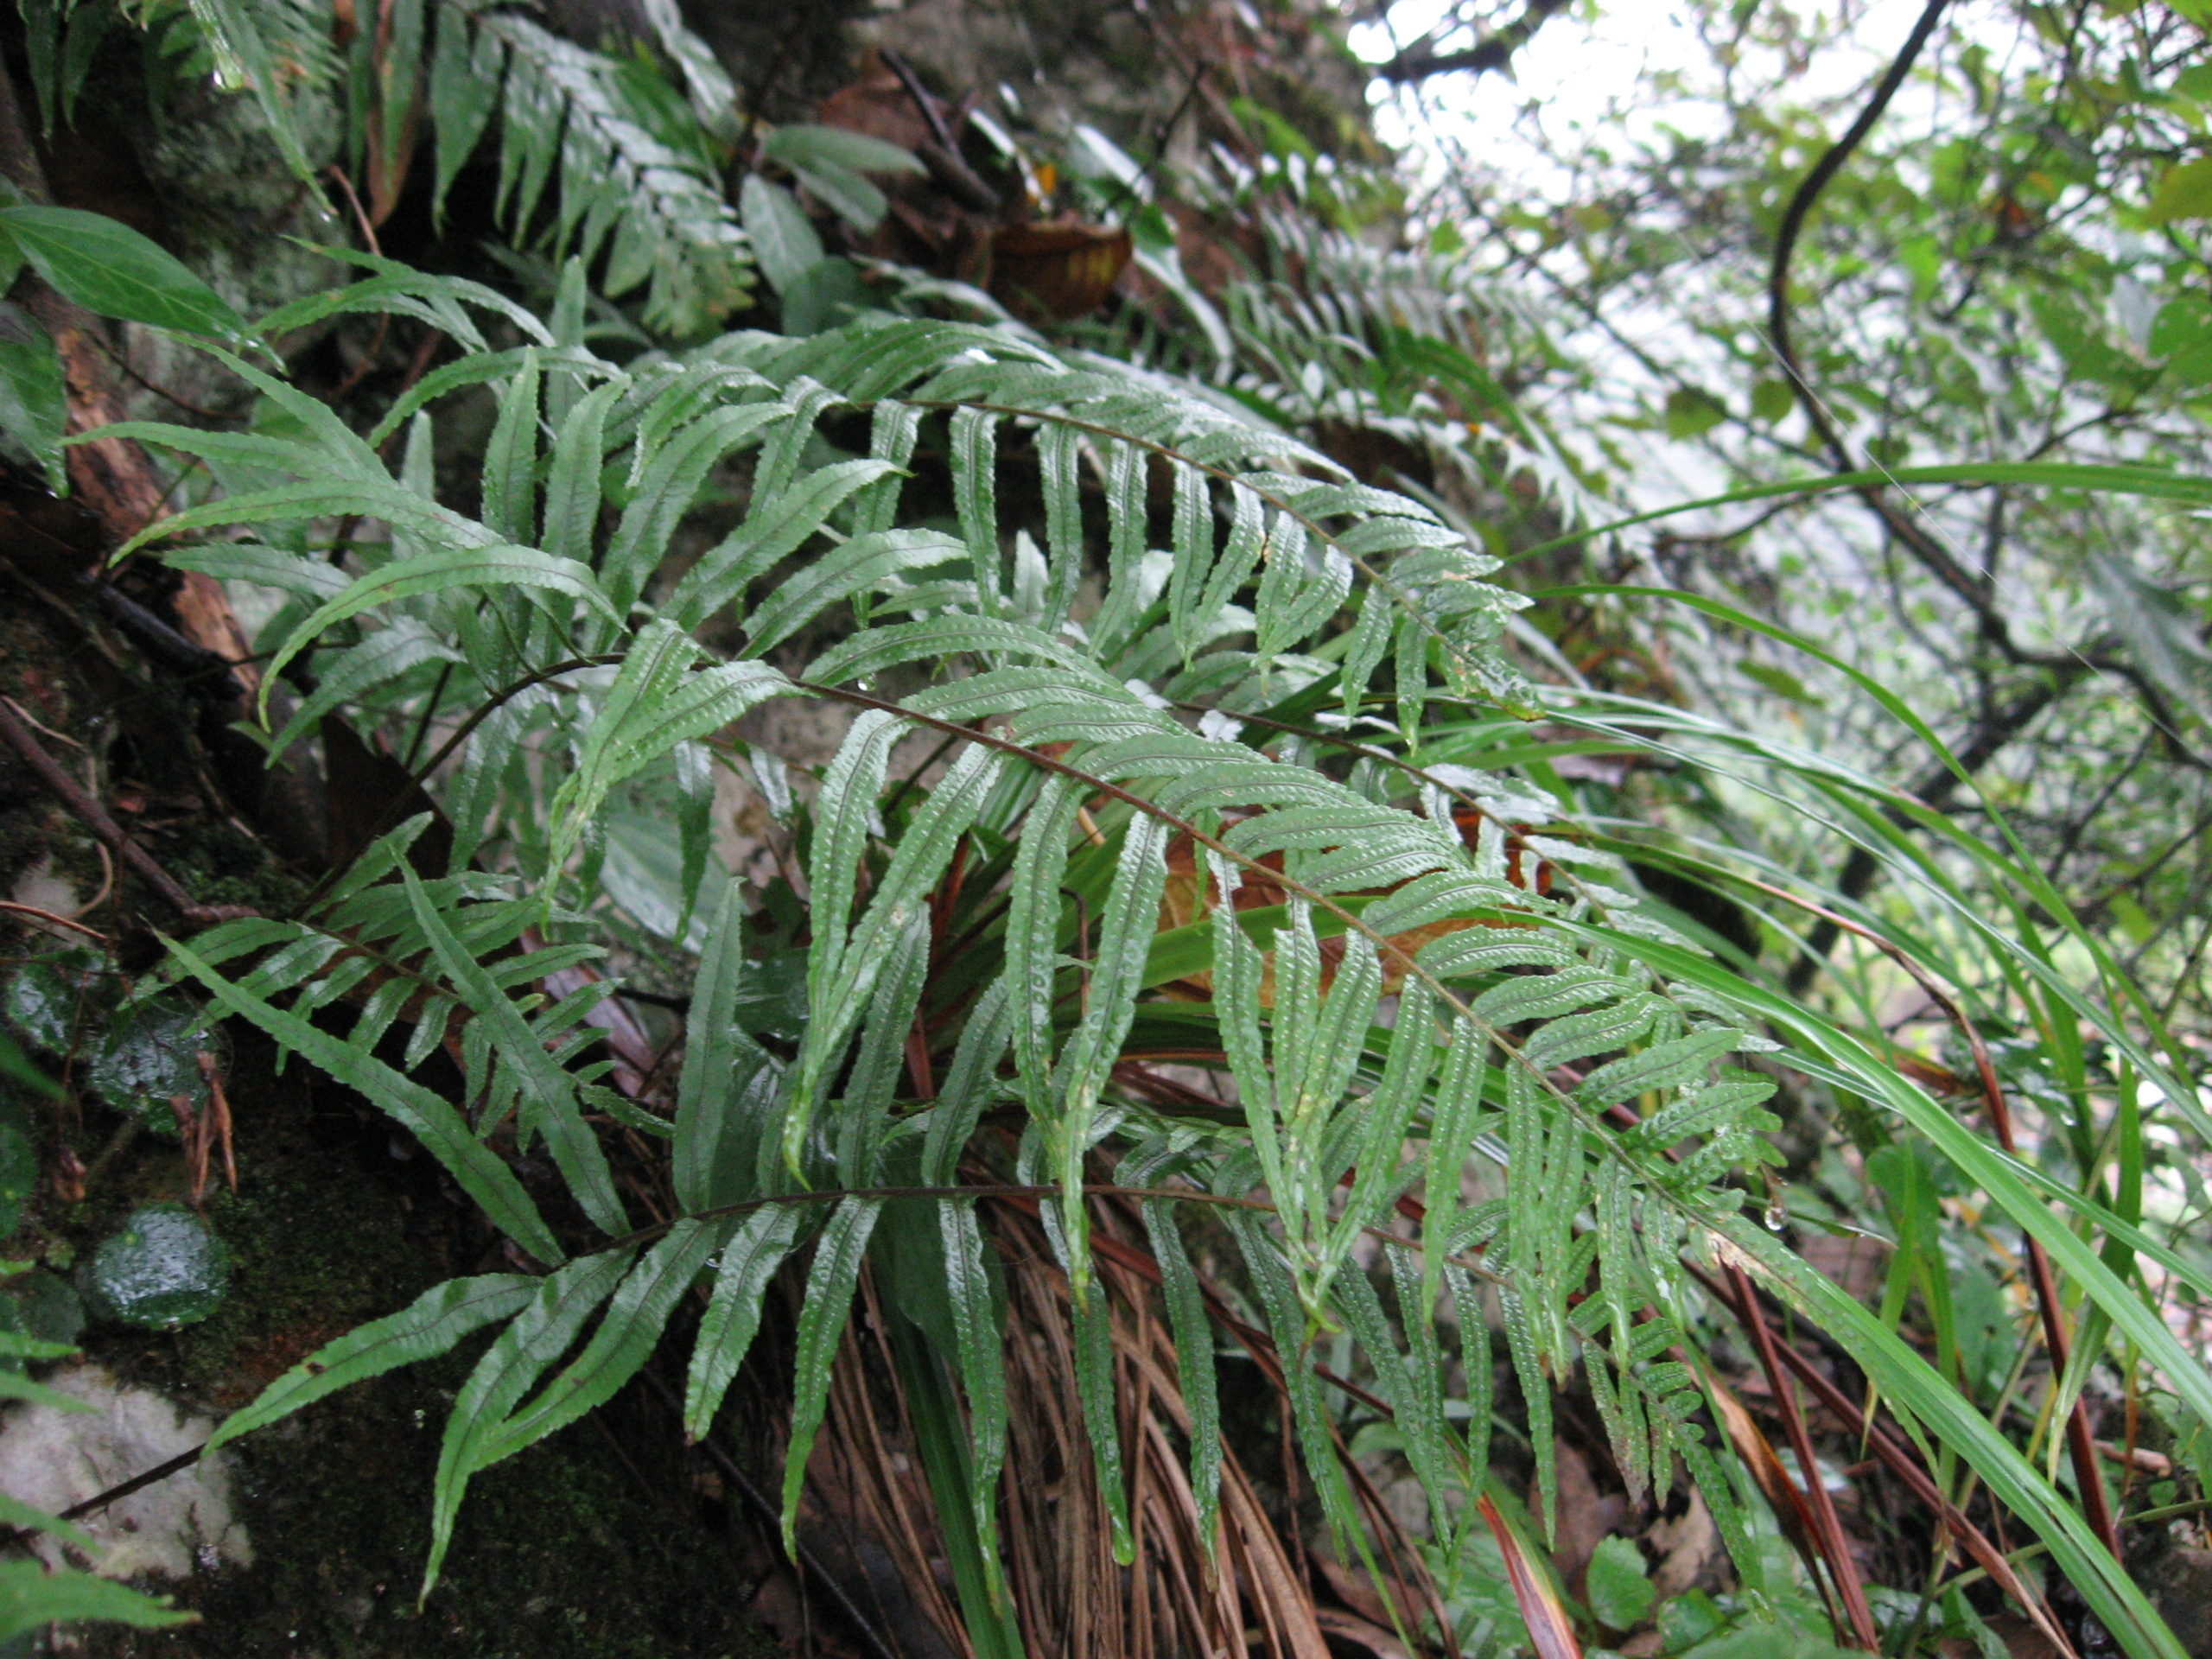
[
  {"x": 2180, "y": 1582},
  {"x": 206, "y": 183},
  {"x": 53, "y": 1458},
  {"x": 1123, "y": 68}
]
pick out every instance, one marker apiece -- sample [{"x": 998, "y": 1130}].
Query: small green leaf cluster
[
  {"x": 32, "y": 1594},
  {"x": 110, "y": 270}
]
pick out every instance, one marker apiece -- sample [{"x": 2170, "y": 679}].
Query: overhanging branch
[{"x": 1422, "y": 60}]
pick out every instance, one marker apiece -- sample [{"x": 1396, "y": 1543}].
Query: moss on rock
[{"x": 592, "y": 1546}]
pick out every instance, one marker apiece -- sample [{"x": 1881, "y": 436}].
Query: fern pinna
[
  {"x": 1177, "y": 668},
  {"x": 615, "y": 155}
]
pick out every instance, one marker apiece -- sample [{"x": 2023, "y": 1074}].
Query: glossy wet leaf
[
  {"x": 163, "y": 1267},
  {"x": 33, "y": 401},
  {"x": 107, "y": 267},
  {"x": 149, "y": 1056},
  {"x": 49, "y": 997}
]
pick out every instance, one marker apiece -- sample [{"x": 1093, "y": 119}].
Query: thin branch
[
  {"x": 50, "y": 920},
  {"x": 940, "y": 151},
  {"x": 95, "y": 817},
  {"x": 1494, "y": 52},
  {"x": 1969, "y": 587}
]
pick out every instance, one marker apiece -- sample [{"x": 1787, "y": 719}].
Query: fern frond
[
  {"x": 566, "y": 122},
  {"x": 1138, "y": 800}
]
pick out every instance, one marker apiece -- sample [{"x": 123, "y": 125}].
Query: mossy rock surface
[
  {"x": 18, "y": 1175},
  {"x": 561, "y": 1553},
  {"x": 595, "y": 1545}
]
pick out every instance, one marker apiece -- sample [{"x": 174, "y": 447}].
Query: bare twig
[
  {"x": 50, "y": 918},
  {"x": 940, "y": 152},
  {"x": 1494, "y": 52},
  {"x": 1967, "y": 586},
  {"x": 137, "y": 1482},
  {"x": 1801, "y": 208},
  {"x": 95, "y": 817}
]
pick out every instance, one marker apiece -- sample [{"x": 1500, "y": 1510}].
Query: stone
[{"x": 53, "y": 1459}]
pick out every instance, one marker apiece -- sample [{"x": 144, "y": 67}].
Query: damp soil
[
  {"x": 597, "y": 1544},
  {"x": 606, "y": 1541}
]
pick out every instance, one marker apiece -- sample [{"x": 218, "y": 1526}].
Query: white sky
[{"x": 1583, "y": 75}]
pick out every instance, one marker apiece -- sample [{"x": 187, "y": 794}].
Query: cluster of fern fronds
[
  {"x": 1241, "y": 763},
  {"x": 1226, "y": 758}
]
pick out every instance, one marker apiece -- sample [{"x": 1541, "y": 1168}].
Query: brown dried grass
[{"x": 1253, "y": 1592}]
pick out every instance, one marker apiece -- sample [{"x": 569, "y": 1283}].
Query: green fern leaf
[
  {"x": 437, "y": 1319},
  {"x": 749, "y": 1261},
  {"x": 1544, "y": 997},
  {"x": 876, "y": 649},
  {"x": 623, "y": 1342},
  {"x": 477, "y": 568},
  {"x": 1662, "y": 1066},
  {"x": 1194, "y": 1343},
  {"x": 440, "y": 1129},
  {"x": 510, "y": 459},
  {"x": 712, "y": 1160},
  {"x": 854, "y": 568},
  {"x": 552, "y": 1089},
  {"x": 343, "y": 677},
  {"x": 828, "y": 1302},
  {"x": 533, "y": 1340},
  {"x": 660, "y": 699},
  {"x": 977, "y": 1323},
  {"x": 774, "y": 528},
  {"x": 573, "y": 480},
  {"x": 1124, "y": 940}
]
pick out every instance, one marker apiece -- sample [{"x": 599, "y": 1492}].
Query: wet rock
[
  {"x": 53, "y": 1459},
  {"x": 163, "y": 1268}
]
